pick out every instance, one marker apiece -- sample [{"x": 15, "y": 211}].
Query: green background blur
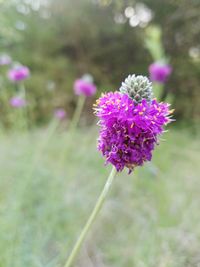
[
  {"x": 61, "y": 40},
  {"x": 50, "y": 178}
]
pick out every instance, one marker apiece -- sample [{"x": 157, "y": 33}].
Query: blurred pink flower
[
  {"x": 5, "y": 60},
  {"x": 84, "y": 87},
  {"x": 159, "y": 72},
  {"x": 17, "y": 102},
  {"x": 18, "y": 73},
  {"x": 60, "y": 113}
]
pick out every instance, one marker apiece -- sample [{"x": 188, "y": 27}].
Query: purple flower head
[
  {"x": 5, "y": 60},
  {"x": 84, "y": 86},
  {"x": 159, "y": 72},
  {"x": 17, "y": 102},
  {"x": 18, "y": 73},
  {"x": 129, "y": 130},
  {"x": 60, "y": 113}
]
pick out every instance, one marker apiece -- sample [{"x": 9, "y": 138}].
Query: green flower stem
[
  {"x": 77, "y": 113},
  {"x": 23, "y": 90},
  {"x": 92, "y": 218},
  {"x": 23, "y": 110},
  {"x": 75, "y": 120}
]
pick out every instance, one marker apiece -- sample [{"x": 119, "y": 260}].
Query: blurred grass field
[{"x": 151, "y": 217}]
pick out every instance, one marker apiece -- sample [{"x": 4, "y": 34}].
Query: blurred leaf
[{"x": 153, "y": 42}]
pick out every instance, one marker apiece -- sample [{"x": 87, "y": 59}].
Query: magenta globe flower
[
  {"x": 60, "y": 113},
  {"x": 130, "y": 128},
  {"x": 18, "y": 73},
  {"x": 84, "y": 87},
  {"x": 159, "y": 72},
  {"x": 17, "y": 102},
  {"x": 130, "y": 125},
  {"x": 5, "y": 60}
]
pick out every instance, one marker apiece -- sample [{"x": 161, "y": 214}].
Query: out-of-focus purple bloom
[
  {"x": 84, "y": 87},
  {"x": 159, "y": 72},
  {"x": 5, "y": 60},
  {"x": 60, "y": 113},
  {"x": 129, "y": 130},
  {"x": 17, "y": 102},
  {"x": 18, "y": 73}
]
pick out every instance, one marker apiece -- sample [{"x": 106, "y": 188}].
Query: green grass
[{"x": 151, "y": 217}]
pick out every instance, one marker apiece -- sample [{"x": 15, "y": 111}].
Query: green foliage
[
  {"x": 153, "y": 42},
  {"x": 61, "y": 40},
  {"x": 8, "y": 35}
]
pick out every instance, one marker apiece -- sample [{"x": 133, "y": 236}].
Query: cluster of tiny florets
[
  {"x": 137, "y": 87},
  {"x": 129, "y": 130}
]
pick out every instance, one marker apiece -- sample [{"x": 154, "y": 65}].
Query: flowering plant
[
  {"x": 17, "y": 102},
  {"x": 159, "y": 72},
  {"x": 18, "y": 73},
  {"x": 131, "y": 122},
  {"x": 60, "y": 113},
  {"x": 83, "y": 87},
  {"x": 129, "y": 130}
]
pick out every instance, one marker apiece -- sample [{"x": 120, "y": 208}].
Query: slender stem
[
  {"x": 91, "y": 219},
  {"x": 75, "y": 120},
  {"x": 77, "y": 113},
  {"x": 24, "y": 110},
  {"x": 23, "y": 90}
]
